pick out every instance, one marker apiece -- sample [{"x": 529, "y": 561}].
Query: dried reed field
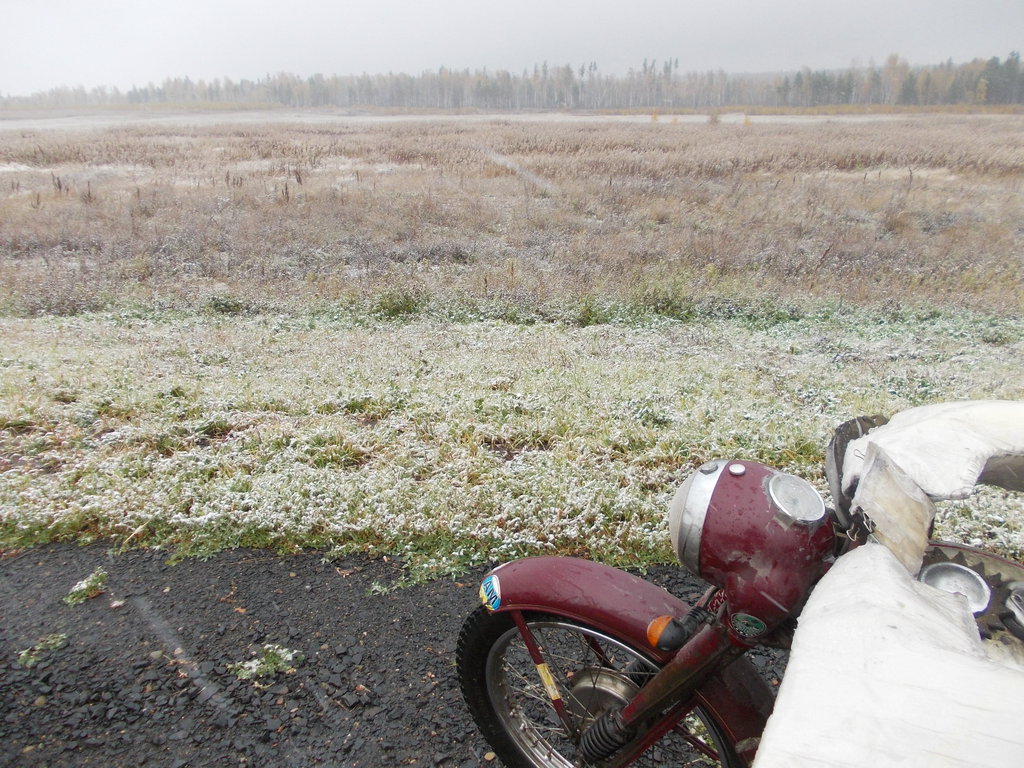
[{"x": 526, "y": 214}]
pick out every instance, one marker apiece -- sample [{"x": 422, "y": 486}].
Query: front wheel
[{"x": 593, "y": 673}]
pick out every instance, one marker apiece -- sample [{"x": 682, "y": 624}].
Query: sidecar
[{"x": 910, "y": 653}]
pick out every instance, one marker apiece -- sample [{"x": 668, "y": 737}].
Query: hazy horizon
[{"x": 118, "y": 43}]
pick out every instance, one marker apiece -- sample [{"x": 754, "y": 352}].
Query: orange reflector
[{"x": 655, "y": 628}]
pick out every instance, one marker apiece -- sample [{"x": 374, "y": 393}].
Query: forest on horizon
[{"x": 657, "y": 86}]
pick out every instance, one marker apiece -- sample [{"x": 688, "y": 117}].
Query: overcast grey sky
[{"x": 48, "y": 43}]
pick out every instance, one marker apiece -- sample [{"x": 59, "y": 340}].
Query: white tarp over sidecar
[
  {"x": 886, "y": 670},
  {"x": 947, "y": 448}
]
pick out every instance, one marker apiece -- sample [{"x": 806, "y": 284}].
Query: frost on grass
[
  {"x": 89, "y": 587},
  {"x": 269, "y": 660},
  {"x": 29, "y": 657},
  {"x": 448, "y": 444},
  {"x": 991, "y": 519}
]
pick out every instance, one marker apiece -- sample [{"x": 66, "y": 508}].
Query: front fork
[
  {"x": 659, "y": 705},
  {"x": 545, "y": 675}
]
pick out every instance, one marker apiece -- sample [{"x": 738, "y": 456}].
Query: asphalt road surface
[{"x": 144, "y": 677}]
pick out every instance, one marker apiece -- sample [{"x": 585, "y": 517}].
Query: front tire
[{"x": 593, "y": 672}]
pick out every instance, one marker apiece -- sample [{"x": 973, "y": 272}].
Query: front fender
[
  {"x": 622, "y": 605},
  {"x": 613, "y": 601}
]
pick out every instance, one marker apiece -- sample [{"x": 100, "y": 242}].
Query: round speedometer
[{"x": 796, "y": 498}]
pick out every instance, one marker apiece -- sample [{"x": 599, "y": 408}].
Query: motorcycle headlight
[{"x": 760, "y": 535}]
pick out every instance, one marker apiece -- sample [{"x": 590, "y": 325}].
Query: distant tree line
[{"x": 655, "y": 86}]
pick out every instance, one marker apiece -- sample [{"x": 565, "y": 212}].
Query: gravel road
[{"x": 143, "y": 677}]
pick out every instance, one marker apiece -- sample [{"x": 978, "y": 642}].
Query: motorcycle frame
[{"x": 709, "y": 671}]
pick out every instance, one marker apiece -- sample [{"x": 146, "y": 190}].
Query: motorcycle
[{"x": 568, "y": 662}]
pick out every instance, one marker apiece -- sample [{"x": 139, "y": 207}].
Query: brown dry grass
[{"x": 922, "y": 208}]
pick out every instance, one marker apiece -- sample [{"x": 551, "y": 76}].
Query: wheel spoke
[
  {"x": 593, "y": 673},
  {"x": 695, "y": 741}
]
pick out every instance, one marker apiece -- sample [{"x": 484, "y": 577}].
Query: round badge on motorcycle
[
  {"x": 745, "y": 625},
  {"x": 490, "y": 593}
]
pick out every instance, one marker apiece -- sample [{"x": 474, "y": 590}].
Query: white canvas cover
[
  {"x": 934, "y": 452},
  {"x": 887, "y": 671},
  {"x": 946, "y": 447},
  {"x": 901, "y": 512}
]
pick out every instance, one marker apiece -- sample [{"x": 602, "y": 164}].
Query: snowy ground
[{"x": 449, "y": 443}]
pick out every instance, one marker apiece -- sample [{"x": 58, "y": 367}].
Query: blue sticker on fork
[{"x": 490, "y": 593}]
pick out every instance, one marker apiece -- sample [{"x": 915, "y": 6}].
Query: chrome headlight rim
[{"x": 689, "y": 510}]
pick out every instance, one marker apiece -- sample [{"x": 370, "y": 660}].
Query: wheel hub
[{"x": 595, "y": 690}]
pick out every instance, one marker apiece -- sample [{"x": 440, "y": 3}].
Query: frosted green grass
[
  {"x": 269, "y": 660},
  {"x": 451, "y": 443},
  {"x": 91, "y": 586},
  {"x": 29, "y": 657}
]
